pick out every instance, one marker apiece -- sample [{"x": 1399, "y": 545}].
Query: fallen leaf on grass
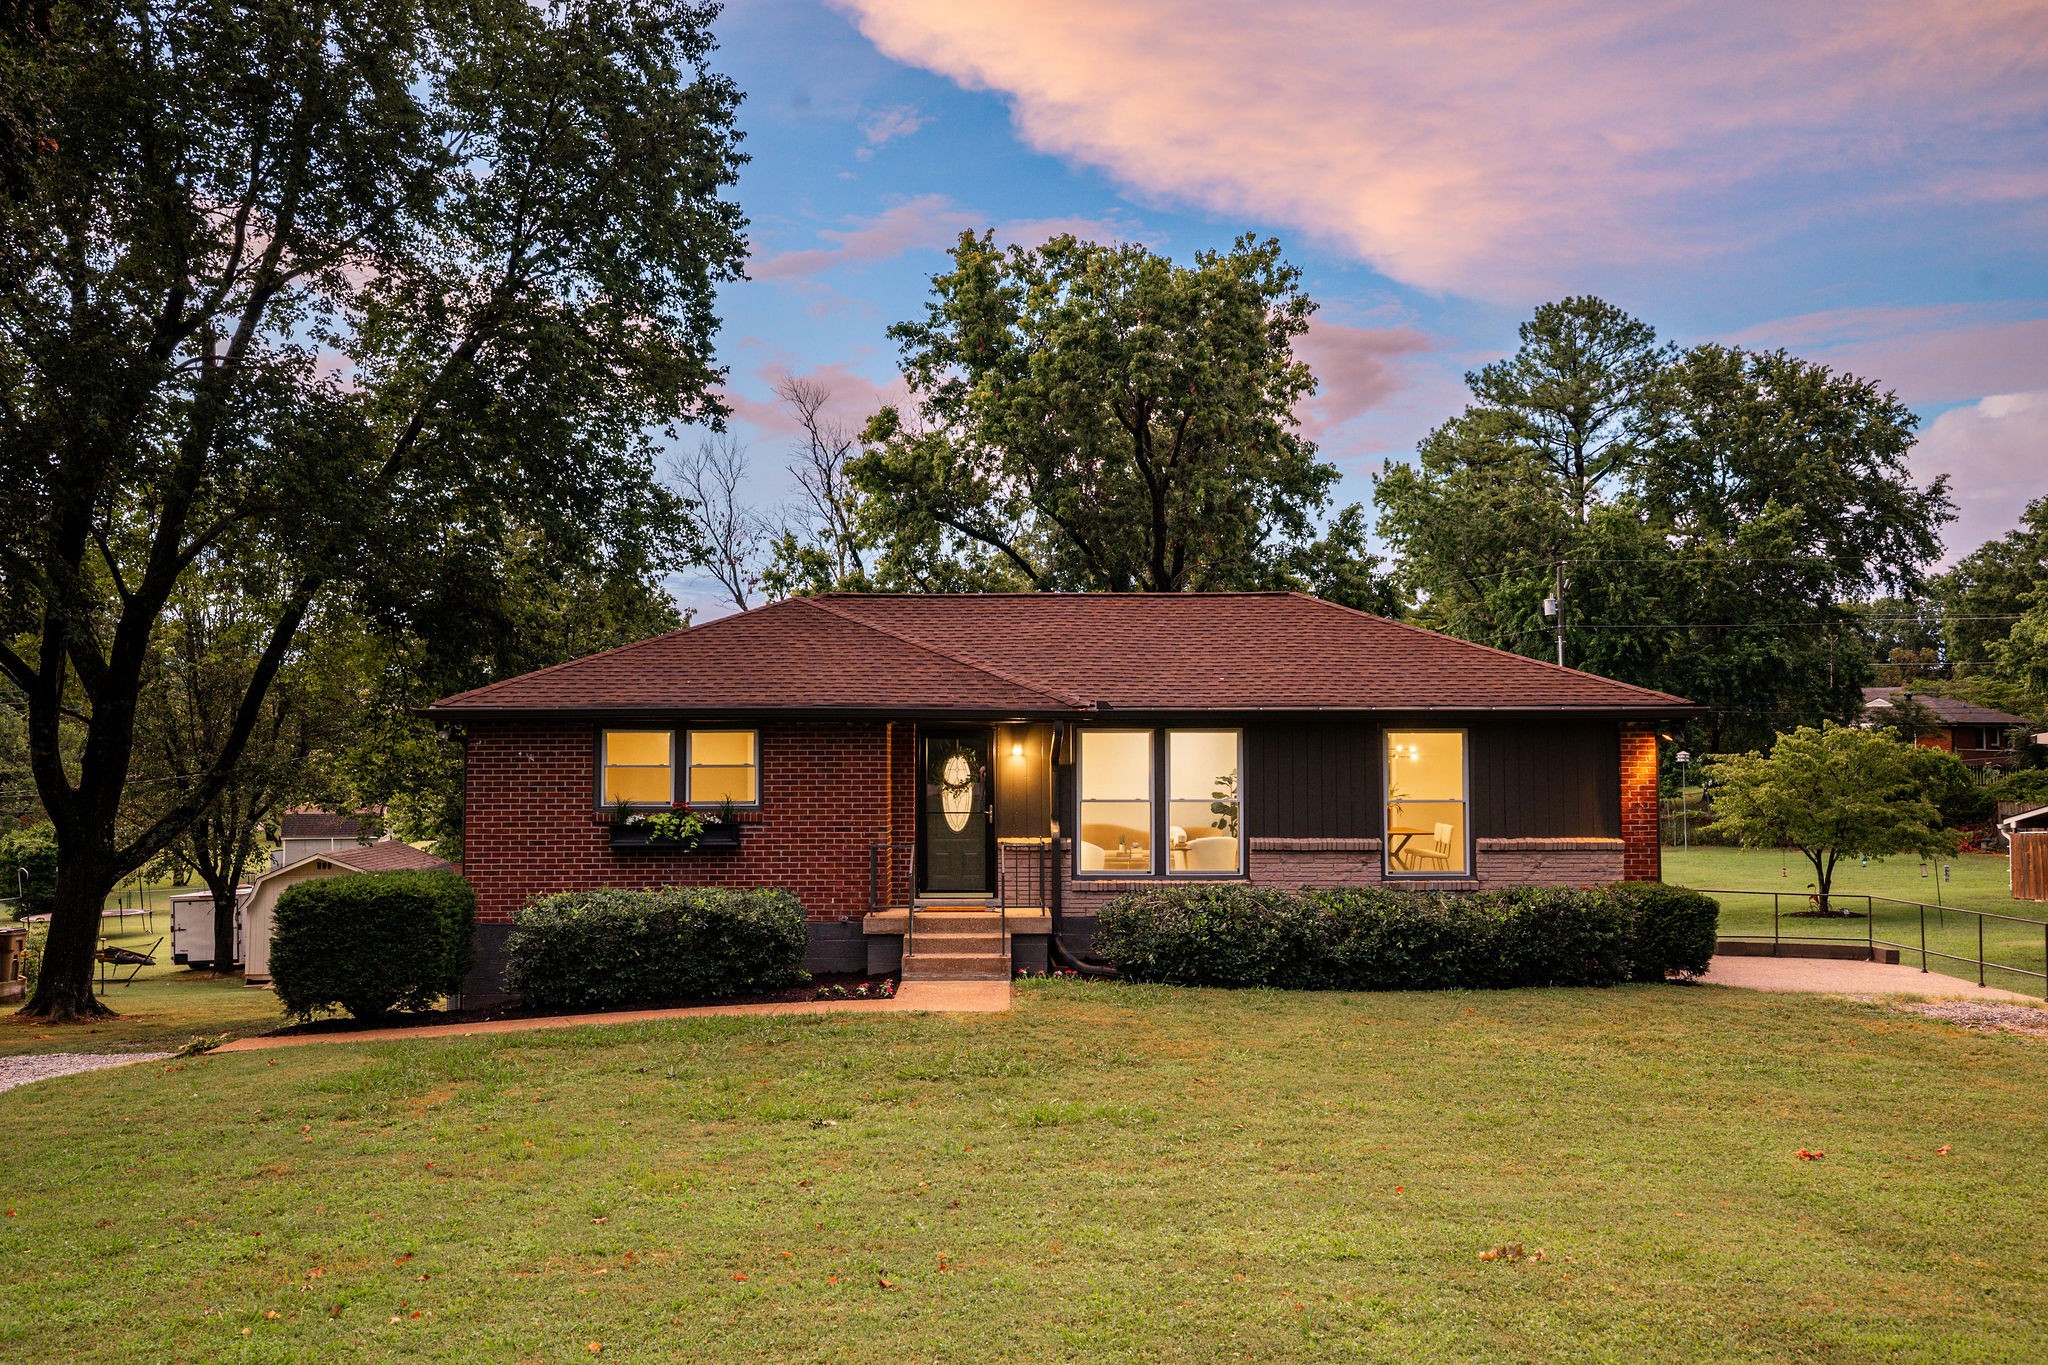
[
  {"x": 884, "y": 1283},
  {"x": 1941, "y": 1150},
  {"x": 1506, "y": 1251},
  {"x": 334, "y": 1311},
  {"x": 739, "y": 1274},
  {"x": 1805, "y": 1155},
  {"x": 273, "y": 1315}
]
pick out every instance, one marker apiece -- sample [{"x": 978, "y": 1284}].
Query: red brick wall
[
  {"x": 829, "y": 789},
  {"x": 1641, "y": 860}
]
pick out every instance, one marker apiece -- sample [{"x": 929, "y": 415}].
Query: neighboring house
[
  {"x": 259, "y": 907},
  {"x": 1040, "y": 753},
  {"x": 302, "y": 833},
  {"x": 1978, "y": 735}
]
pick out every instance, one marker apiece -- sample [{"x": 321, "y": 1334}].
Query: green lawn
[
  {"x": 1978, "y": 883},
  {"x": 167, "y": 1007},
  {"x": 1108, "y": 1173}
]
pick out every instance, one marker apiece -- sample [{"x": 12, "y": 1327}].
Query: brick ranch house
[{"x": 976, "y": 772}]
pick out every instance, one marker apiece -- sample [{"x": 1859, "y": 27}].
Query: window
[
  {"x": 1116, "y": 801},
  {"x": 639, "y": 767},
  {"x": 1426, "y": 815},
  {"x": 1202, "y": 801},
  {"x": 1124, "y": 831},
  {"x": 724, "y": 766}
]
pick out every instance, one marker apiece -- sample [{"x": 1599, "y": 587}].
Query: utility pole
[{"x": 1553, "y": 606}]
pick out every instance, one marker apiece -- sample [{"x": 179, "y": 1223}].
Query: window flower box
[{"x": 680, "y": 830}]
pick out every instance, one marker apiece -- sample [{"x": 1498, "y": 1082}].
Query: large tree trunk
[
  {"x": 223, "y": 923},
  {"x": 64, "y": 986}
]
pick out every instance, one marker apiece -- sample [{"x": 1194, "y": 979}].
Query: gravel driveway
[{"x": 41, "y": 1067}]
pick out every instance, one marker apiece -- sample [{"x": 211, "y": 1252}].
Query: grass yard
[
  {"x": 1108, "y": 1173},
  {"x": 1978, "y": 883},
  {"x": 167, "y": 1007}
]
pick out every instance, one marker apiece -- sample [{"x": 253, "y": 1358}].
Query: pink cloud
[
  {"x": 1928, "y": 355},
  {"x": 1995, "y": 452},
  {"x": 1356, "y": 370},
  {"x": 1492, "y": 149},
  {"x": 928, "y": 221}
]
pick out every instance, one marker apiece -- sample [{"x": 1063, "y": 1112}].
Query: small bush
[
  {"x": 1675, "y": 928},
  {"x": 372, "y": 942},
  {"x": 602, "y": 949},
  {"x": 32, "y": 850}
]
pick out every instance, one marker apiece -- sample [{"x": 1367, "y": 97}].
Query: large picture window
[
  {"x": 724, "y": 766},
  {"x": 1159, "y": 802},
  {"x": 1202, "y": 803},
  {"x": 639, "y": 767},
  {"x": 1426, "y": 832},
  {"x": 1116, "y": 801}
]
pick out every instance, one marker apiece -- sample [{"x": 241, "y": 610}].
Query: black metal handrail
[{"x": 1872, "y": 941}]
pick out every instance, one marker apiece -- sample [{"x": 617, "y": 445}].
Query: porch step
[{"x": 927, "y": 966}]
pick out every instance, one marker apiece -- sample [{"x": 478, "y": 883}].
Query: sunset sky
[{"x": 1864, "y": 183}]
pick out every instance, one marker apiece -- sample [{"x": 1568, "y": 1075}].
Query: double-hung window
[
  {"x": 1427, "y": 832},
  {"x": 639, "y": 767},
  {"x": 1159, "y": 803}
]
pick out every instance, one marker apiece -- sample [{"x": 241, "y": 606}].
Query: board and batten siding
[
  {"x": 1317, "y": 778},
  {"x": 1546, "y": 779}
]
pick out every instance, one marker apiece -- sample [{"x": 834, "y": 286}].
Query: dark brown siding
[
  {"x": 1312, "y": 779},
  {"x": 1023, "y": 783},
  {"x": 1539, "y": 779}
]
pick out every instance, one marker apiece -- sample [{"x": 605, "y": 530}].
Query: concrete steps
[{"x": 956, "y": 945}]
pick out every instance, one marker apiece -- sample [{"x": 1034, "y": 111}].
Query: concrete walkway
[
  {"x": 1836, "y": 977},
  {"x": 943, "y": 997}
]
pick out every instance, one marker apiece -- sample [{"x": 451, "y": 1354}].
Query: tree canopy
[
  {"x": 347, "y": 289},
  {"x": 1099, "y": 417},
  {"x": 1835, "y": 792},
  {"x": 1715, "y": 515}
]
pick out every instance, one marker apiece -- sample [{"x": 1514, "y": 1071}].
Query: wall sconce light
[{"x": 1017, "y": 751}]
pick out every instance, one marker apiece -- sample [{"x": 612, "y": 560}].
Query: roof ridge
[
  {"x": 930, "y": 648},
  {"x": 683, "y": 629},
  {"x": 1491, "y": 649}
]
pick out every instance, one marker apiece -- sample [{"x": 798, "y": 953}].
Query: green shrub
[
  {"x": 1208, "y": 936},
  {"x": 601, "y": 949},
  {"x": 1675, "y": 928},
  {"x": 1370, "y": 938},
  {"x": 372, "y": 942},
  {"x": 32, "y": 850}
]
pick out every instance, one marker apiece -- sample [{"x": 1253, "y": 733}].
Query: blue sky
[{"x": 1865, "y": 184}]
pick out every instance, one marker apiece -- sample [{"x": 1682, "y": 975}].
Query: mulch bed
[{"x": 427, "y": 1018}]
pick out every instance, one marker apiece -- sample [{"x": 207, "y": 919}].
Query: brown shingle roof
[
  {"x": 1041, "y": 653},
  {"x": 1947, "y": 710},
  {"x": 391, "y": 857}
]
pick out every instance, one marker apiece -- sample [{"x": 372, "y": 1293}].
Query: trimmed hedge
[
  {"x": 602, "y": 949},
  {"x": 1676, "y": 928},
  {"x": 372, "y": 942},
  {"x": 1372, "y": 938}
]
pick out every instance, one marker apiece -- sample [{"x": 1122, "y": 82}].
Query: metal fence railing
[{"x": 1988, "y": 942}]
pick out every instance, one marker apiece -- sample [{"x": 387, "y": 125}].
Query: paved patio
[{"x": 1835, "y": 977}]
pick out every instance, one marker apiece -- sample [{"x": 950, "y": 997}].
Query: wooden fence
[{"x": 2030, "y": 865}]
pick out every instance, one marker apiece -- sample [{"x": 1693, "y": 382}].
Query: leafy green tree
[
  {"x": 207, "y": 644},
  {"x": 1712, "y": 515},
  {"x": 326, "y": 286},
  {"x": 1832, "y": 793},
  {"x": 1987, "y": 592},
  {"x": 1097, "y": 417}
]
